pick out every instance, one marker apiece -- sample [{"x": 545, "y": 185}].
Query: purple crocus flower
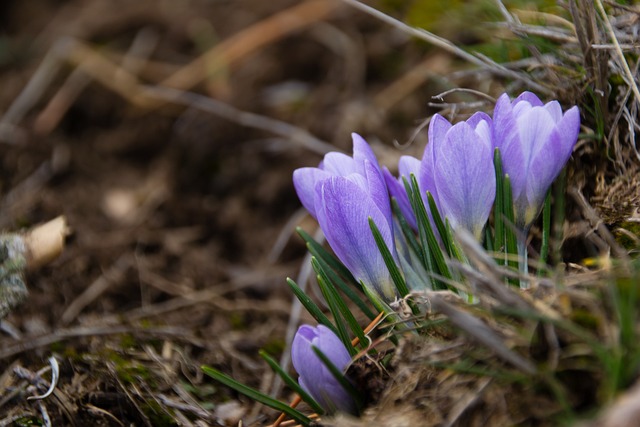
[
  {"x": 314, "y": 377},
  {"x": 407, "y": 166},
  {"x": 362, "y": 168},
  {"x": 535, "y": 141},
  {"x": 342, "y": 194},
  {"x": 457, "y": 168}
]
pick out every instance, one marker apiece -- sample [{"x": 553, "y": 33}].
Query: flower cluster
[
  {"x": 457, "y": 171},
  {"x": 343, "y": 193}
]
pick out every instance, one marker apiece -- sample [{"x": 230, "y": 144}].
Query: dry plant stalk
[
  {"x": 35, "y": 248},
  {"x": 45, "y": 242}
]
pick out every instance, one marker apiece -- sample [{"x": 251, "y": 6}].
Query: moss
[
  {"x": 585, "y": 319},
  {"x": 237, "y": 321},
  {"x": 27, "y": 421},
  {"x": 274, "y": 347},
  {"x": 127, "y": 341},
  {"x": 128, "y": 370},
  {"x": 157, "y": 415},
  {"x": 624, "y": 239}
]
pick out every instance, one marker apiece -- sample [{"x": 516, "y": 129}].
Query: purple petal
[
  {"x": 438, "y": 128},
  {"x": 343, "y": 213},
  {"x": 302, "y": 356},
  {"x": 304, "y": 181},
  {"x": 568, "y": 127},
  {"x": 397, "y": 190},
  {"x": 408, "y": 165},
  {"x": 534, "y": 129},
  {"x": 506, "y": 137},
  {"x": 330, "y": 344},
  {"x": 314, "y": 377},
  {"x": 477, "y": 118},
  {"x": 339, "y": 164},
  {"x": 544, "y": 169},
  {"x": 529, "y": 98},
  {"x": 377, "y": 188},
  {"x": 362, "y": 152},
  {"x": 505, "y": 132},
  {"x": 555, "y": 110},
  {"x": 465, "y": 178}
]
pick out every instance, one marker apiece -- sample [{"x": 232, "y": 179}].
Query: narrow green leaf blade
[
  {"x": 256, "y": 395},
  {"x": 498, "y": 207},
  {"x": 396, "y": 276},
  {"x": 318, "y": 251},
  {"x": 546, "y": 231},
  {"x": 428, "y": 238},
  {"x": 289, "y": 381},
  {"x": 338, "y": 308},
  {"x": 311, "y": 306},
  {"x": 346, "y": 289}
]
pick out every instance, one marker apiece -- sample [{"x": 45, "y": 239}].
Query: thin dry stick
[
  {"x": 115, "y": 274},
  {"x": 598, "y": 224},
  {"x": 631, "y": 81},
  {"x": 226, "y": 111},
  {"x": 128, "y": 86},
  {"x": 37, "y": 85},
  {"x": 250, "y": 40},
  {"x": 45, "y": 242},
  {"x": 134, "y": 59},
  {"x": 433, "y": 65},
  {"x": 445, "y": 44}
]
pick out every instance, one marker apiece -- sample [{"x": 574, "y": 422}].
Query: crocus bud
[
  {"x": 457, "y": 168},
  {"x": 535, "y": 142},
  {"x": 342, "y": 194},
  {"x": 314, "y": 377}
]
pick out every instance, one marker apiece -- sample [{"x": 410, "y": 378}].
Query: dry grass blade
[
  {"x": 128, "y": 86},
  {"x": 250, "y": 40},
  {"x": 479, "y": 331},
  {"x": 481, "y": 61}
]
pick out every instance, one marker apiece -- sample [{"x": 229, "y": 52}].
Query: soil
[{"x": 175, "y": 213}]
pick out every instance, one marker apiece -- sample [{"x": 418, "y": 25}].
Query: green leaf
[
  {"x": 407, "y": 231},
  {"x": 383, "y": 307},
  {"x": 510, "y": 231},
  {"x": 293, "y": 384},
  {"x": 256, "y": 395},
  {"x": 394, "y": 271},
  {"x": 546, "y": 231},
  {"x": 318, "y": 251},
  {"x": 447, "y": 241},
  {"x": 499, "y": 244},
  {"x": 435, "y": 258},
  {"x": 310, "y": 306},
  {"x": 559, "y": 214},
  {"x": 346, "y": 289},
  {"x": 339, "y": 309}
]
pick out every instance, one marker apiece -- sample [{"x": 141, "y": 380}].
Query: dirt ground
[{"x": 175, "y": 212}]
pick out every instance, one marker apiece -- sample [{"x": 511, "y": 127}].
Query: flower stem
[{"x": 522, "y": 259}]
